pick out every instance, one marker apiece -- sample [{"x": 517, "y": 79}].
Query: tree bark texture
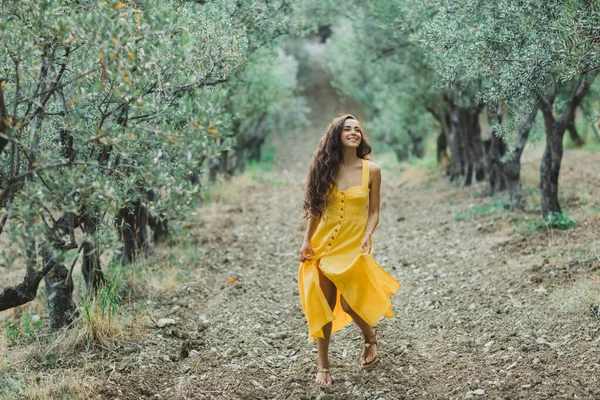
[
  {"x": 60, "y": 293},
  {"x": 4, "y": 121},
  {"x": 159, "y": 223},
  {"x": 26, "y": 291},
  {"x": 22, "y": 293},
  {"x": 442, "y": 148},
  {"x": 512, "y": 166},
  {"x": 575, "y": 138},
  {"x": 466, "y": 147},
  {"x": 495, "y": 150},
  {"x": 91, "y": 266},
  {"x": 132, "y": 222}
]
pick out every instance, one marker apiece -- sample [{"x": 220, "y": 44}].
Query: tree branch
[
  {"x": 26, "y": 291},
  {"x": 579, "y": 92},
  {"x": 524, "y": 130},
  {"x": 4, "y": 119}
]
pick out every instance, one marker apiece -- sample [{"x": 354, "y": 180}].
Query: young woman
[{"x": 339, "y": 280}]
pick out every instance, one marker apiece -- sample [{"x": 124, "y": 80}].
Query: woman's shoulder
[{"x": 373, "y": 168}]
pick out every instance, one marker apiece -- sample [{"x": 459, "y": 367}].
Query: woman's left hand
[{"x": 366, "y": 244}]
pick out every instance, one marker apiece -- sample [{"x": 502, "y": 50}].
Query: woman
[{"x": 339, "y": 280}]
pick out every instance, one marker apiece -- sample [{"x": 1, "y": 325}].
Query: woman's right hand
[{"x": 306, "y": 252}]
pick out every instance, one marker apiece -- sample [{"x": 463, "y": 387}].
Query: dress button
[
  {"x": 332, "y": 238},
  {"x": 342, "y": 209},
  {"x": 342, "y": 200},
  {"x": 329, "y": 244},
  {"x": 336, "y": 230},
  {"x": 341, "y": 216}
]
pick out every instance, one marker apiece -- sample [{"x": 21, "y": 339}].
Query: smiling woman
[{"x": 339, "y": 281}]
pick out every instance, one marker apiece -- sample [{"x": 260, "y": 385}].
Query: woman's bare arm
[{"x": 306, "y": 251}]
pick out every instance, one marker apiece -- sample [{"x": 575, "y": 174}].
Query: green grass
[
  {"x": 28, "y": 330},
  {"x": 12, "y": 383},
  {"x": 554, "y": 221},
  {"x": 501, "y": 204}
]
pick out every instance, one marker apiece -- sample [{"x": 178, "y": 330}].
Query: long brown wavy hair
[{"x": 325, "y": 164}]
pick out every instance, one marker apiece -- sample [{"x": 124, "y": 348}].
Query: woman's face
[{"x": 351, "y": 133}]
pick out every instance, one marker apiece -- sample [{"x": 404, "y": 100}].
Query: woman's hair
[{"x": 324, "y": 166}]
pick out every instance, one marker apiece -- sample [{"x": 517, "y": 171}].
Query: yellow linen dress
[{"x": 365, "y": 285}]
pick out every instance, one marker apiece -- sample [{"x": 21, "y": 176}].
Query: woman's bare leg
[
  {"x": 330, "y": 292},
  {"x": 366, "y": 329}
]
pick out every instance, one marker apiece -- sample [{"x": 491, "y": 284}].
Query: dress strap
[{"x": 365, "y": 173}]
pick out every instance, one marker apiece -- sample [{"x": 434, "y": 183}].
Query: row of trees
[
  {"x": 419, "y": 66},
  {"x": 111, "y": 112}
]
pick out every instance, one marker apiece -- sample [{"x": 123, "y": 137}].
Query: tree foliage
[{"x": 111, "y": 112}]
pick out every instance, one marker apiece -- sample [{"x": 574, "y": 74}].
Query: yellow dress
[{"x": 365, "y": 285}]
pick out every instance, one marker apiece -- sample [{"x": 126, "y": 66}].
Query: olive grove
[
  {"x": 112, "y": 112},
  {"x": 417, "y": 64}
]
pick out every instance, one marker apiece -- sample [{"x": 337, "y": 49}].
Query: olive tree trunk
[
  {"x": 60, "y": 292},
  {"x": 466, "y": 147},
  {"x": 512, "y": 165},
  {"x": 132, "y": 223},
  {"x": 555, "y": 130}
]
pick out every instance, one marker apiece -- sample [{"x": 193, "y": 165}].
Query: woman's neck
[{"x": 349, "y": 156}]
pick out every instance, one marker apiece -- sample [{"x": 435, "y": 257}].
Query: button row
[{"x": 336, "y": 230}]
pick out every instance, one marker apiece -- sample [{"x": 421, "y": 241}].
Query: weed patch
[
  {"x": 554, "y": 221},
  {"x": 483, "y": 210},
  {"x": 29, "y": 329}
]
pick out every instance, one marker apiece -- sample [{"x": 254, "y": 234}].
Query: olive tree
[
  {"x": 525, "y": 54},
  {"x": 109, "y": 110}
]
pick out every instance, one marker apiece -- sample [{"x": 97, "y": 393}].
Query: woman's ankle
[{"x": 370, "y": 338}]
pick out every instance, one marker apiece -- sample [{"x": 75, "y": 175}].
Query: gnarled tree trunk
[
  {"x": 466, "y": 147},
  {"x": 90, "y": 265},
  {"x": 159, "y": 223},
  {"x": 495, "y": 150},
  {"x": 512, "y": 165},
  {"x": 59, "y": 291},
  {"x": 555, "y": 130},
  {"x": 575, "y": 138},
  {"x": 132, "y": 222}
]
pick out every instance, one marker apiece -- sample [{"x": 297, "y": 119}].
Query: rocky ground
[
  {"x": 489, "y": 307},
  {"x": 484, "y": 310}
]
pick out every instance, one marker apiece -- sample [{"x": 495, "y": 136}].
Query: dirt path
[{"x": 482, "y": 310}]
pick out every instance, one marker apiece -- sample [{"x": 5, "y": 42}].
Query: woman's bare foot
[
  {"x": 323, "y": 377},
  {"x": 368, "y": 356}
]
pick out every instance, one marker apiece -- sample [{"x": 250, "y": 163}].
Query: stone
[{"x": 161, "y": 323}]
